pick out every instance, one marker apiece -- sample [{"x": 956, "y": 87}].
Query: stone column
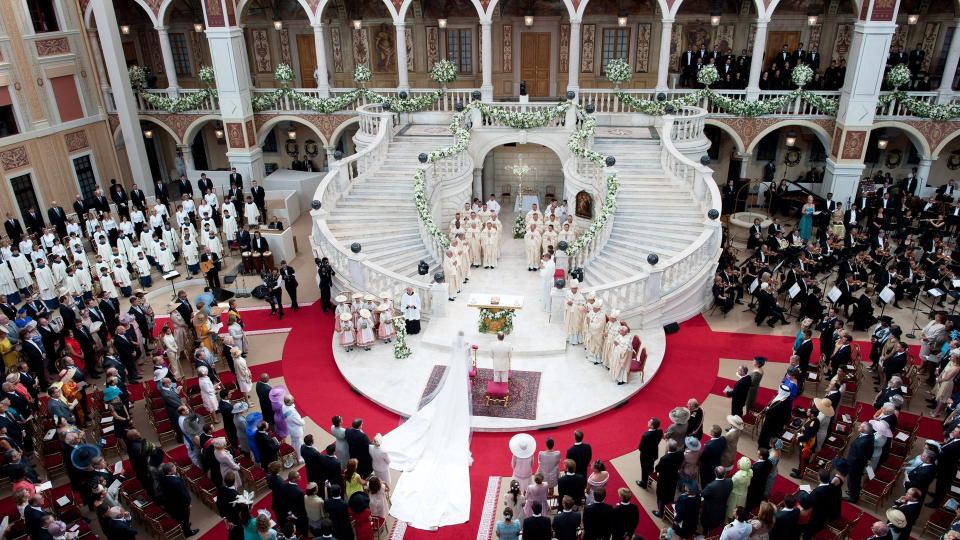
[
  {"x": 478, "y": 183},
  {"x": 573, "y": 69},
  {"x": 169, "y": 67},
  {"x": 186, "y": 153},
  {"x": 320, "y": 46},
  {"x": 402, "y": 82},
  {"x": 756, "y": 61},
  {"x": 486, "y": 46},
  {"x": 663, "y": 69},
  {"x": 116, "y": 67},
  {"x": 330, "y": 159},
  {"x": 950, "y": 68},
  {"x": 923, "y": 174},
  {"x": 228, "y": 50}
]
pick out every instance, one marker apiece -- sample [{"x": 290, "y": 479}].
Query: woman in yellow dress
[
  {"x": 201, "y": 325},
  {"x": 73, "y": 394},
  {"x": 11, "y": 357},
  {"x": 352, "y": 480}
]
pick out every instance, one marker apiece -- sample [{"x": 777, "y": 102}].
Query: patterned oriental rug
[{"x": 524, "y": 390}]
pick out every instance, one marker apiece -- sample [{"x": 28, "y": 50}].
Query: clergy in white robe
[
  {"x": 46, "y": 284},
  {"x": 251, "y": 213},
  {"x": 534, "y": 214},
  {"x": 594, "y": 326},
  {"x": 410, "y": 306},
  {"x": 621, "y": 357},
  {"x": 493, "y": 205},
  {"x": 573, "y": 313},
  {"x": 549, "y": 239},
  {"x": 165, "y": 258},
  {"x": 473, "y": 241},
  {"x": 531, "y": 244},
  {"x": 496, "y": 222},
  {"x": 501, "y": 353},
  {"x": 566, "y": 234},
  {"x": 490, "y": 245},
  {"x": 610, "y": 334},
  {"x": 451, "y": 273}
]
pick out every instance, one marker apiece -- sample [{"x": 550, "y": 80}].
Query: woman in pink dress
[
  {"x": 345, "y": 337},
  {"x": 536, "y": 492},
  {"x": 548, "y": 464}
]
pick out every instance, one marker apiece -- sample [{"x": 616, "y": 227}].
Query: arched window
[{"x": 43, "y": 15}]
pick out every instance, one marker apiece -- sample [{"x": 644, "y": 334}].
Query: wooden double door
[
  {"x": 776, "y": 41},
  {"x": 308, "y": 59},
  {"x": 535, "y": 62}
]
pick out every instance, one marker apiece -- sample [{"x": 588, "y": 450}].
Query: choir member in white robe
[
  {"x": 82, "y": 273},
  {"x": 165, "y": 258},
  {"x": 250, "y": 212},
  {"x": 213, "y": 242},
  {"x": 547, "y": 268},
  {"x": 8, "y": 285},
  {"x": 410, "y": 306},
  {"x": 295, "y": 425},
  {"x": 610, "y": 337},
  {"x": 107, "y": 285},
  {"x": 573, "y": 313},
  {"x": 594, "y": 325},
  {"x": 103, "y": 249},
  {"x": 490, "y": 245},
  {"x": 621, "y": 357},
  {"x": 169, "y": 235},
  {"x": 493, "y": 205},
  {"x": 365, "y": 335},
  {"x": 229, "y": 225},
  {"x": 531, "y": 244},
  {"x": 473, "y": 241},
  {"x": 121, "y": 277},
  {"x": 451, "y": 274},
  {"x": 142, "y": 267},
  {"x": 191, "y": 256},
  {"x": 46, "y": 284}
]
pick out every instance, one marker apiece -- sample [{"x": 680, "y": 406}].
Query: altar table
[{"x": 506, "y": 303}]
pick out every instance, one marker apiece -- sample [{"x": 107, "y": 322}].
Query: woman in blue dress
[{"x": 806, "y": 219}]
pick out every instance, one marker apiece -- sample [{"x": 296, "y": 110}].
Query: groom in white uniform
[{"x": 500, "y": 353}]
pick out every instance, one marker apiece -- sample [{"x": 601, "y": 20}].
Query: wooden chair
[
  {"x": 639, "y": 360},
  {"x": 939, "y": 521},
  {"x": 379, "y": 525},
  {"x": 550, "y": 192},
  {"x": 505, "y": 194},
  {"x": 841, "y": 527}
]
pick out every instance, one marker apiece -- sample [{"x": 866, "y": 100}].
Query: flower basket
[
  {"x": 283, "y": 74},
  {"x": 444, "y": 72},
  {"x": 362, "y": 74},
  {"x": 708, "y": 75},
  {"x": 801, "y": 75},
  {"x": 898, "y": 76},
  {"x": 618, "y": 71}
]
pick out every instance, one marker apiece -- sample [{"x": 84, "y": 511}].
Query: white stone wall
[{"x": 548, "y": 169}]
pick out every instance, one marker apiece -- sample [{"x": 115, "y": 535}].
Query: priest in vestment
[
  {"x": 410, "y": 304},
  {"x": 621, "y": 357},
  {"x": 451, "y": 272},
  {"x": 594, "y": 326},
  {"x": 531, "y": 244},
  {"x": 611, "y": 333},
  {"x": 573, "y": 313}
]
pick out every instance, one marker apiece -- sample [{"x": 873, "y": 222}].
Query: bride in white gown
[{"x": 432, "y": 448}]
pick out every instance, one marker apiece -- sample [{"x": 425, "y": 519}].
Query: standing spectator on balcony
[
  {"x": 743, "y": 63},
  {"x": 916, "y": 57},
  {"x": 782, "y": 58},
  {"x": 186, "y": 188},
  {"x": 813, "y": 59},
  {"x": 260, "y": 199},
  {"x": 799, "y": 55},
  {"x": 897, "y": 57},
  {"x": 688, "y": 62}
]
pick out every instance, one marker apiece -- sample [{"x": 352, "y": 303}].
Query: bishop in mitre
[
  {"x": 622, "y": 356},
  {"x": 573, "y": 313},
  {"x": 594, "y": 327}
]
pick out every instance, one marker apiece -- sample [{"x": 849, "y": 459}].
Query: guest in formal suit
[
  {"x": 916, "y": 58},
  {"x": 711, "y": 455},
  {"x": 138, "y": 198},
  {"x": 537, "y": 526},
  {"x": 570, "y": 483},
  {"x": 785, "y": 521},
  {"x": 267, "y": 445},
  {"x": 668, "y": 475},
  {"x": 909, "y": 506},
  {"x": 204, "y": 183},
  {"x": 626, "y": 516},
  {"x": 923, "y": 475},
  {"x": 761, "y": 469},
  {"x": 185, "y": 187},
  {"x": 738, "y": 394},
  {"x": 567, "y": 521},
  {"x": 226, "y": 495},
  {"x": 946, "y": 466},
  {"x": 597, "y": 517},
  {"x": 34, "y": 221},
  {"x": 880, "y": 531},
  {"x": 339, "y": 514},
  {"x": 58, "y": 218},
  {"x": 260, "y": 199},
  {"x": 359, "y": 445},
  {"x": 714, "y": 497},
  {"x": 161, "y": 193},
  {"x": 118, "y": 524},
  {"x": 13, "y": 228},
  {"x": 580, "y": 453},
  {"x": 686, "y": 510},
  {"x": 263, "y": 389},
  {"x": 293, "y": 500},
  {"x": 176, "y": 498},
  {"x": 236, "y": 179},
  {"x": 649, "y": 450}
]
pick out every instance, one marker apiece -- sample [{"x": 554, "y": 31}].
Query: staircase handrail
[
  {"x": 699, "y": 180},
  {"x": 354, "y": 269}
]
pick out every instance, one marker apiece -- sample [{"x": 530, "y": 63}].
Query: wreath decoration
[
  {"x": 953, "y": 162},
  {"x": 311, "y": 148},
  {"x": 292, "y": 148},
  {"x": 792, "y": 157},
  {"x": 894, "y": 158},
  {"x": 487, "y": 317}
]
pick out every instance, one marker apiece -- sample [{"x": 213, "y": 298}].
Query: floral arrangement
[
  {"x": 520, "y": 226},
  {"x": 461, "y": 138},
  {"x": 736, "y": 107},
  {"x": 283, "y": 74},
  {"x": 400, "y": 348},
  {"x": 618, "y": 71},
  {"x": 598, "y": 223},
  {"x": 362, "y": 74},
  {"x": 444, "y": 72},
  {"x": 898, "y": 76},
  {"x": 656, "y": 108},
  {"x": 708, "y": 75},
  {"x": 577, "y": 141},
  {"x": 423, "y": 208},
  {"x": 802, "y": 74},
  {"x": 488, "y": 317},
  {"x": 522, "y": 120},
  {"x": 207, "y": 75},
  {"x": 187, "y": 102},
  {"x": 137, "y": 77}
]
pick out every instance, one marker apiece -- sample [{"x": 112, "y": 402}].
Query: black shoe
[
  {"x": 452, "y": 299},
  {"x": 640, "y": 484},
  {"x": 190, "y": 533},
  {"x": 658, "y": 514},
  {"x": 794, "y": 475},
  {"x": 932, "y": 505}
]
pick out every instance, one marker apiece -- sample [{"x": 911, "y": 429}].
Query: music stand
[{"x": 172, "y": 276}]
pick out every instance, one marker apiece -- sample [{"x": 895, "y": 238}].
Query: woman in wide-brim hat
[
  {"x": 365, "y": 330},
  {"x": 680, "y": 416},
  {"x": 346, "y": 337},
  {"x": 522, "y": 446},
  {"x": 83, "y": 455}
]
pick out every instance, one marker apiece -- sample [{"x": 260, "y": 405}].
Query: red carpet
[{"x": 691, "y": 364}]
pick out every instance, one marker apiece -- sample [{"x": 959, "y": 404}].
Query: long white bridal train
[{"x": 432, "y": 448}]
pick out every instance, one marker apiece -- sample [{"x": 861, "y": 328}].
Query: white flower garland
[
  {"x": 736, "y": 107},
  {"x": 400, "y": 348},
  {"x": 185, "y": 103},
  {"x": 423, "y": 208},
  {"x": 406, "y": 105},
  {"x": 618, "y": 71},
  {"x": 596, "y": 226},
  {"x": 487, "y": 316},
  {"x": 522, "y": 120},
  {"x": 444, "y": 72}
]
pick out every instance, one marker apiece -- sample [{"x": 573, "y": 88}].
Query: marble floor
[{"x": 538, "y": 343}]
